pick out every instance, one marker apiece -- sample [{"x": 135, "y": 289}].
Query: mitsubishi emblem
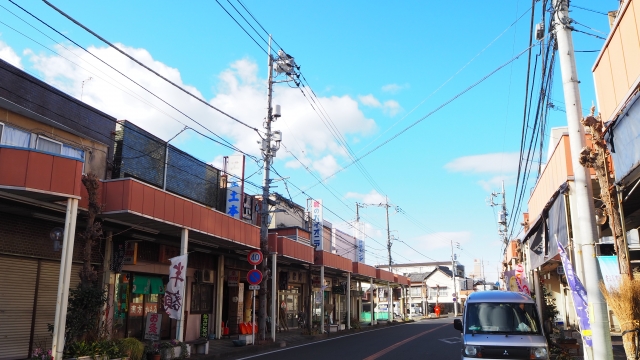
[{"x": 505, "y": 353}]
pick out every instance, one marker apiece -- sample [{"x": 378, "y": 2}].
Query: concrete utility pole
[
  {"x": 386, "y": 206},
  {"x": 453, "y": 273},
  {"x": 585, "y": 242},
  {"x": 269, "y": 145}
]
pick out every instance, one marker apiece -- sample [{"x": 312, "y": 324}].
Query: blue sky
[{"x": 376, "y": 67}]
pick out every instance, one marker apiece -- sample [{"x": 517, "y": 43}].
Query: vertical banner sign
[
  {"x": 315, "y": 211},
  {"x": 360, "y": 251},
  {"x": 152, "y": 328},
  {"x": 235, "y": 185},
  {"x": 174, "y": 292},
  {"x": 579, "y": 295},
  {"x": 610, "y": 271},
  {"x": 204, "y": 326},
  {"x": 521, "y": 280}
]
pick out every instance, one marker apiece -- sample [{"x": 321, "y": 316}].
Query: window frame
[
  {"x": 198, "y": 300},
  {"x": 1, "y": 131},
  {"x": 51, "y": 140}
]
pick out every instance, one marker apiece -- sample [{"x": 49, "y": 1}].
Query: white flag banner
[{"x": 174, "y": 292}]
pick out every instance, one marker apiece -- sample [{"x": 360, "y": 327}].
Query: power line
[{"x": 137, "y": 62}]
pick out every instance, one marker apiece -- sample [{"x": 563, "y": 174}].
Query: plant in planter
[
  {"x": 80, "y": 349},
  {"x": 132, "y": 348},
  {"x": 152, "y": 351},
  {"x": 41, "y": 354},
  {"x": 168, "y": 349},
  {"x": 107, "y": 349}
]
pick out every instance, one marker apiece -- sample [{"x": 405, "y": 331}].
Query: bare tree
[{"x": 597, "y": 157}]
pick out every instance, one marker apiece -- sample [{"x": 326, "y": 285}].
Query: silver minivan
[{"x": 501, "y": 325}]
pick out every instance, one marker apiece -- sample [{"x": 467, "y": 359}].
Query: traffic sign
[
  {"x": 254, "y": 287},
  {"x": 254, "y": 277},
  {"x": 454, "y": 299},
  {"x": 254, "y": 257}
]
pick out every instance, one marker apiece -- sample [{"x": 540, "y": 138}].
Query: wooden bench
[{"x": 200, "y": 345}]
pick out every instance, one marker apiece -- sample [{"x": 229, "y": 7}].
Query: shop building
[{"x": 47, "y": 141}]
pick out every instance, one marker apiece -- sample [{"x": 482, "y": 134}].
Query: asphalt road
[{"x": 428, "y": 339}]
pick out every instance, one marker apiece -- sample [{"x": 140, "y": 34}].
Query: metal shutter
[
  {"x": 47, "y": 293},
  {"x": 16, "y": 306}
]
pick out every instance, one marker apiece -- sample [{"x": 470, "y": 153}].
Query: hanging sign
[
  {"x": 174, "y": 292},
  {"x": 610, "y": 272}
]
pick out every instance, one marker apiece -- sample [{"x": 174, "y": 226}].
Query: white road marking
[{"x": 452, "y": 340}]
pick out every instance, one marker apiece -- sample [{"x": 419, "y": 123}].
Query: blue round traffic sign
[{"x": 254, "y": 277}]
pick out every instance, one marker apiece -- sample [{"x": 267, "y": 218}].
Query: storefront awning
[{"x": 623, "y": 140}]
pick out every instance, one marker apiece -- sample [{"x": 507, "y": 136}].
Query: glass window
[
  {"x": 416, "y": 291},
  {"x": 1, "y": 127},
  {"x": 15, "y": 137},
  {"x": 48, "y": 145},
  {"x": 507, "y": 318},
  {"x": 201, "y": 298},
  {"x": 72, "y": 152}
]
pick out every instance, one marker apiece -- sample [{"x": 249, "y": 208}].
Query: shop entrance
[
  {"x": 135, "y": 296},
  {"x": 291, "y": 301}
]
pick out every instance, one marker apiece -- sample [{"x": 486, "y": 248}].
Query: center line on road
[{"x": 382, "y": 352}]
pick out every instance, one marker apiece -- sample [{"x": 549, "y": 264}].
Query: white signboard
[
  {"x": 254, "y": 287},
  {"x": 152, "y": 327},
  {"x": 235, "y": 185},
  {"x": 315, "y": 212}
]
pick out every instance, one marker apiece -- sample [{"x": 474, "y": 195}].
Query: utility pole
[
  {"x": 453, "y": 272},
  {"x": 269, "y": 145},
  {"x": 585, "y": 212},
  {"x": 386, "y": 206},
  {"x": 502, "y": 214}
]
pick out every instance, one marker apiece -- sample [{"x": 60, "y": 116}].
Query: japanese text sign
[
  {"x": 315, "y": 212},
  {"x": 152, "y": 327},
  {"x": 174, "y": 292}
]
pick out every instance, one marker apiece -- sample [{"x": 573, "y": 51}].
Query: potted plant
[
  {"x": 153, "y": 351},
  {"x": 131, "y": 348}
]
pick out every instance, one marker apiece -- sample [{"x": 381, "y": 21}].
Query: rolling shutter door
[
  {"x": 16, "y": 306},
  {"x": 47, "y": 294}
]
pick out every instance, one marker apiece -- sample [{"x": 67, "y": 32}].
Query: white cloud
[
  {"x": 389, "y": 107},
  {"x": 394, "y": 88},
  {"x": 240, "y": 92},
  {"x": 440, "y": 240},
  {"x": 392, "y": 107},
  {"x": 7, "y": 54},
  {"x": 369, "y": 100},
  {"x": 485, "y": 163},
  {"x": 373, "y": 197},
  {"x": 326, "y": 166}
]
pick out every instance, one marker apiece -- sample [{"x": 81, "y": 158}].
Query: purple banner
[{"x": 579, "y": 295}]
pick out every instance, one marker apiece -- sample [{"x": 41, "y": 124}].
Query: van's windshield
[{"x": 501, "y": 318}]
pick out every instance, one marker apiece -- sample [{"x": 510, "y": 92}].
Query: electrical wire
[{"x": 137, "y": 62}]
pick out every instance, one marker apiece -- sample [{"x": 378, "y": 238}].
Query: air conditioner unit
[{"x": 205, "y": 276}]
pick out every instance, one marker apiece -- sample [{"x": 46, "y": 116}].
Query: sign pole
[{"x": 253, "y": 316}]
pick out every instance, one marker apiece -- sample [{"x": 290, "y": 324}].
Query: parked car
[{"x": 501, "y": 325}]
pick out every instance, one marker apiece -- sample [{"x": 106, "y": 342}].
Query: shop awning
[
  {"x": 557, "y": 225},
  {"x": 623, "y": 140}
]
